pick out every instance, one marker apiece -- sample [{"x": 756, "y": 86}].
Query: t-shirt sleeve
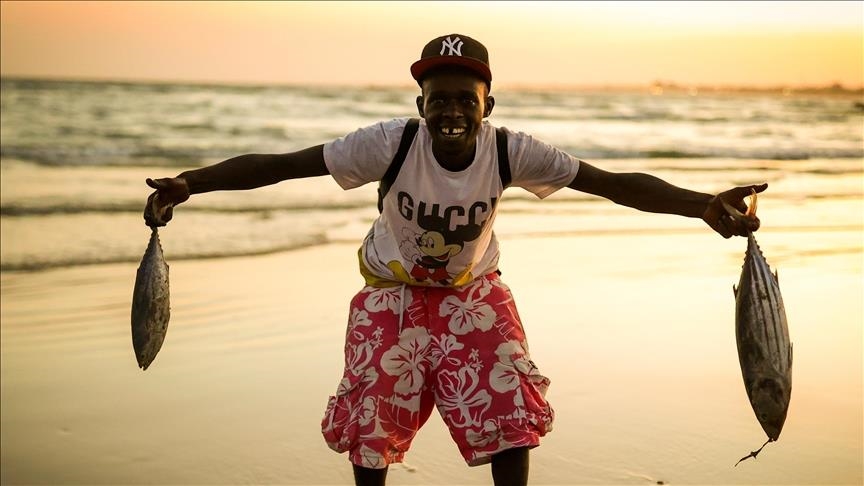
[
  {"x": 363, "y": 155},
  {"x": 537, "y": 166}
]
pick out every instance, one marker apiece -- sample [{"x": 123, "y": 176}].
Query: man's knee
[
  {"x": 364, "y": 476},
  {"x": 510, "y": 467}
]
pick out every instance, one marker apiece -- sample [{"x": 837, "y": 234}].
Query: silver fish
[
  {"x": 762, "y": 335},
  {"x": 151, "y": 307}
]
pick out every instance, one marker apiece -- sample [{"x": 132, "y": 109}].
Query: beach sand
[{"x": 636, "y": 333}]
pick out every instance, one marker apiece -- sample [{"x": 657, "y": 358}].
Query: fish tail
[
  {"x": 753, "y": 454},
  {"x": 751, "y": 210}
]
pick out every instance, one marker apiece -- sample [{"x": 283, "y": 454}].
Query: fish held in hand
[
  {"x": 151, "y": 308},
  {"x": 762, "y": 337}
]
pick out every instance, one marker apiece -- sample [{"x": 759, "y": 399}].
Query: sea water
[{"x": 74, "y": 156}]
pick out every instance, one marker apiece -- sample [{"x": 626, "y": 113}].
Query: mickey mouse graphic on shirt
[
  {"x": 437, "y": 245},
  {"x": 430, "y": 251}
]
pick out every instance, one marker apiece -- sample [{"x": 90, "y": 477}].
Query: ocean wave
[
  {"x": 109, "y": 155},
  {"x": 682, "y": 118},
  {"x": 153, "y": 156},
  {"x": 72, "y": 208},
  {"x": 47, "y": 262},
  {"x": 600, "y": 153},
  {"x": 78, "y": 123},
  {"x": 54, "y": 261}
]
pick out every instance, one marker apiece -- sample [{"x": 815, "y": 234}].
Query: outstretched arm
[
  {"x": 237, "y": 173},
  {"x": 648, "y": 193}
]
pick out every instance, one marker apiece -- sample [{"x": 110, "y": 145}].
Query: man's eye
[
  {"x": 469, "y": 101},
  {"x": 436, "y": 102}
]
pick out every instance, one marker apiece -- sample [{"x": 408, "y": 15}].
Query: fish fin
[
  {"x": 790, "y": 354},
  {"x": 751, "y": 210},
  {"x": 731, "y": 210},
  {"x": 776, "y": 277},
  {"x": 738, "y": 215},
  {"x": 755, "y": 453},
  {"x": 734, "y": 290}
]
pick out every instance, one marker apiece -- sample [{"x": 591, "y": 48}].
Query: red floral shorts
[{"x": 462, "y": 350}]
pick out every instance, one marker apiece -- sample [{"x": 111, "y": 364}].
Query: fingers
[
  {"x": 155, "y": 215},
  {"x": 724, "y": 226},
  {"x": 151, "y": 212},
  {"x": 156, "y": 212},
  {"x": 753, "y": 224},
  {"x": 151, "y": 217},
  {"x": 160, "y": 205},
  {"x": 744, "y": 191},
  {"x": 173, "y": 190},
  {"x": 736, "y": 195},
  {"x": 738, "y": 226},
  {"x": 728, "y": 226}
]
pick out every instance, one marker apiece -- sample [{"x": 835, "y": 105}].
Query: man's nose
[{"x": 453, "y": 109}]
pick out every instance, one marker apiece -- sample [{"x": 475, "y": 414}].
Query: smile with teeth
[{"x": 452, "y": 132}]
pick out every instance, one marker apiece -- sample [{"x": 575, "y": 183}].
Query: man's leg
[
  {"x": 373, "y": 331},
  {"x": 510, "y": 467},
  {"x": 364, "y": 476}
]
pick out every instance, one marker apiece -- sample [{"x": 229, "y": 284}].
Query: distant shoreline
[{"x": 656, "y": 87}]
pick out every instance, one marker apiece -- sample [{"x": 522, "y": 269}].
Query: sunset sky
[{"x": 336, "y": 43}]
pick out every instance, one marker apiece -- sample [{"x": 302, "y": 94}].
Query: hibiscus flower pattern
[
  {"x": 471, "y": 313},
  {"x": 443, "y": 346},
  {"x": 408, "y": 360},
  {"x": 361, "y": 345},
  {"x": 388, "y": 298},
  {"x": 435, "y": 348},
  {"x": 460, "y": 397}
]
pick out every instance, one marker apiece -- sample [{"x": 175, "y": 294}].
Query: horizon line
[{"x": 656, "y": 86}]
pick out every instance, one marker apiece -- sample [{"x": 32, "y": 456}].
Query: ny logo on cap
[{"x": 453, "y": 47}]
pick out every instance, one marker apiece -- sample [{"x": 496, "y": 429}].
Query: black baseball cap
[{"x": 453, "y": 50}]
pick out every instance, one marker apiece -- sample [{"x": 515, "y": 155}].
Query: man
[{"x": 435, "y": 327}]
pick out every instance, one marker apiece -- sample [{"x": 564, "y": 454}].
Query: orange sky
[{"x": 547, "y": 43}]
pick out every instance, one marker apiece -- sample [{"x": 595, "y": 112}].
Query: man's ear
[
  {"x": 490, "y": 103},
  {"x": 420, "y": 106}
]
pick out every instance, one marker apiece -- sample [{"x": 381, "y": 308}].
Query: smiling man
[{"x": 435, "y": 326}]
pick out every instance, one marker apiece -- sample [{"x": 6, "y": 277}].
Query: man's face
[{"x": 454, "y": 104}]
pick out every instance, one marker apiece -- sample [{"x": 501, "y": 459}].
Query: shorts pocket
[
  {"x": 533, "y": 385},
  {"x": 341, "y": 418},
  {"x": 520, "y": 417}
]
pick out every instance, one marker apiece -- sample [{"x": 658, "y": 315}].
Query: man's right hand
[{"x": 170, "y": 192}]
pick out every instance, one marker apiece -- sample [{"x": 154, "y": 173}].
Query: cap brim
[{"x": 421, "y": 67}]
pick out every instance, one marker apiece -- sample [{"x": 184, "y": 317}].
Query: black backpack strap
[
  {"x": 503, "y": 158},
  {"x": 404, "y": 145}
]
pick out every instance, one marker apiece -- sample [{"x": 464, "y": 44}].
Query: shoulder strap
[
  {"x": 503, "y": 157},
  {"x": 404, "y": 145}
]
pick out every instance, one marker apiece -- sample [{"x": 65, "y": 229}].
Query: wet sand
[{"x": 635, "y": 331}]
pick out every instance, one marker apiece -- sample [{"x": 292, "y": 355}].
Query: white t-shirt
[{"x": 436, "y": 225}]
